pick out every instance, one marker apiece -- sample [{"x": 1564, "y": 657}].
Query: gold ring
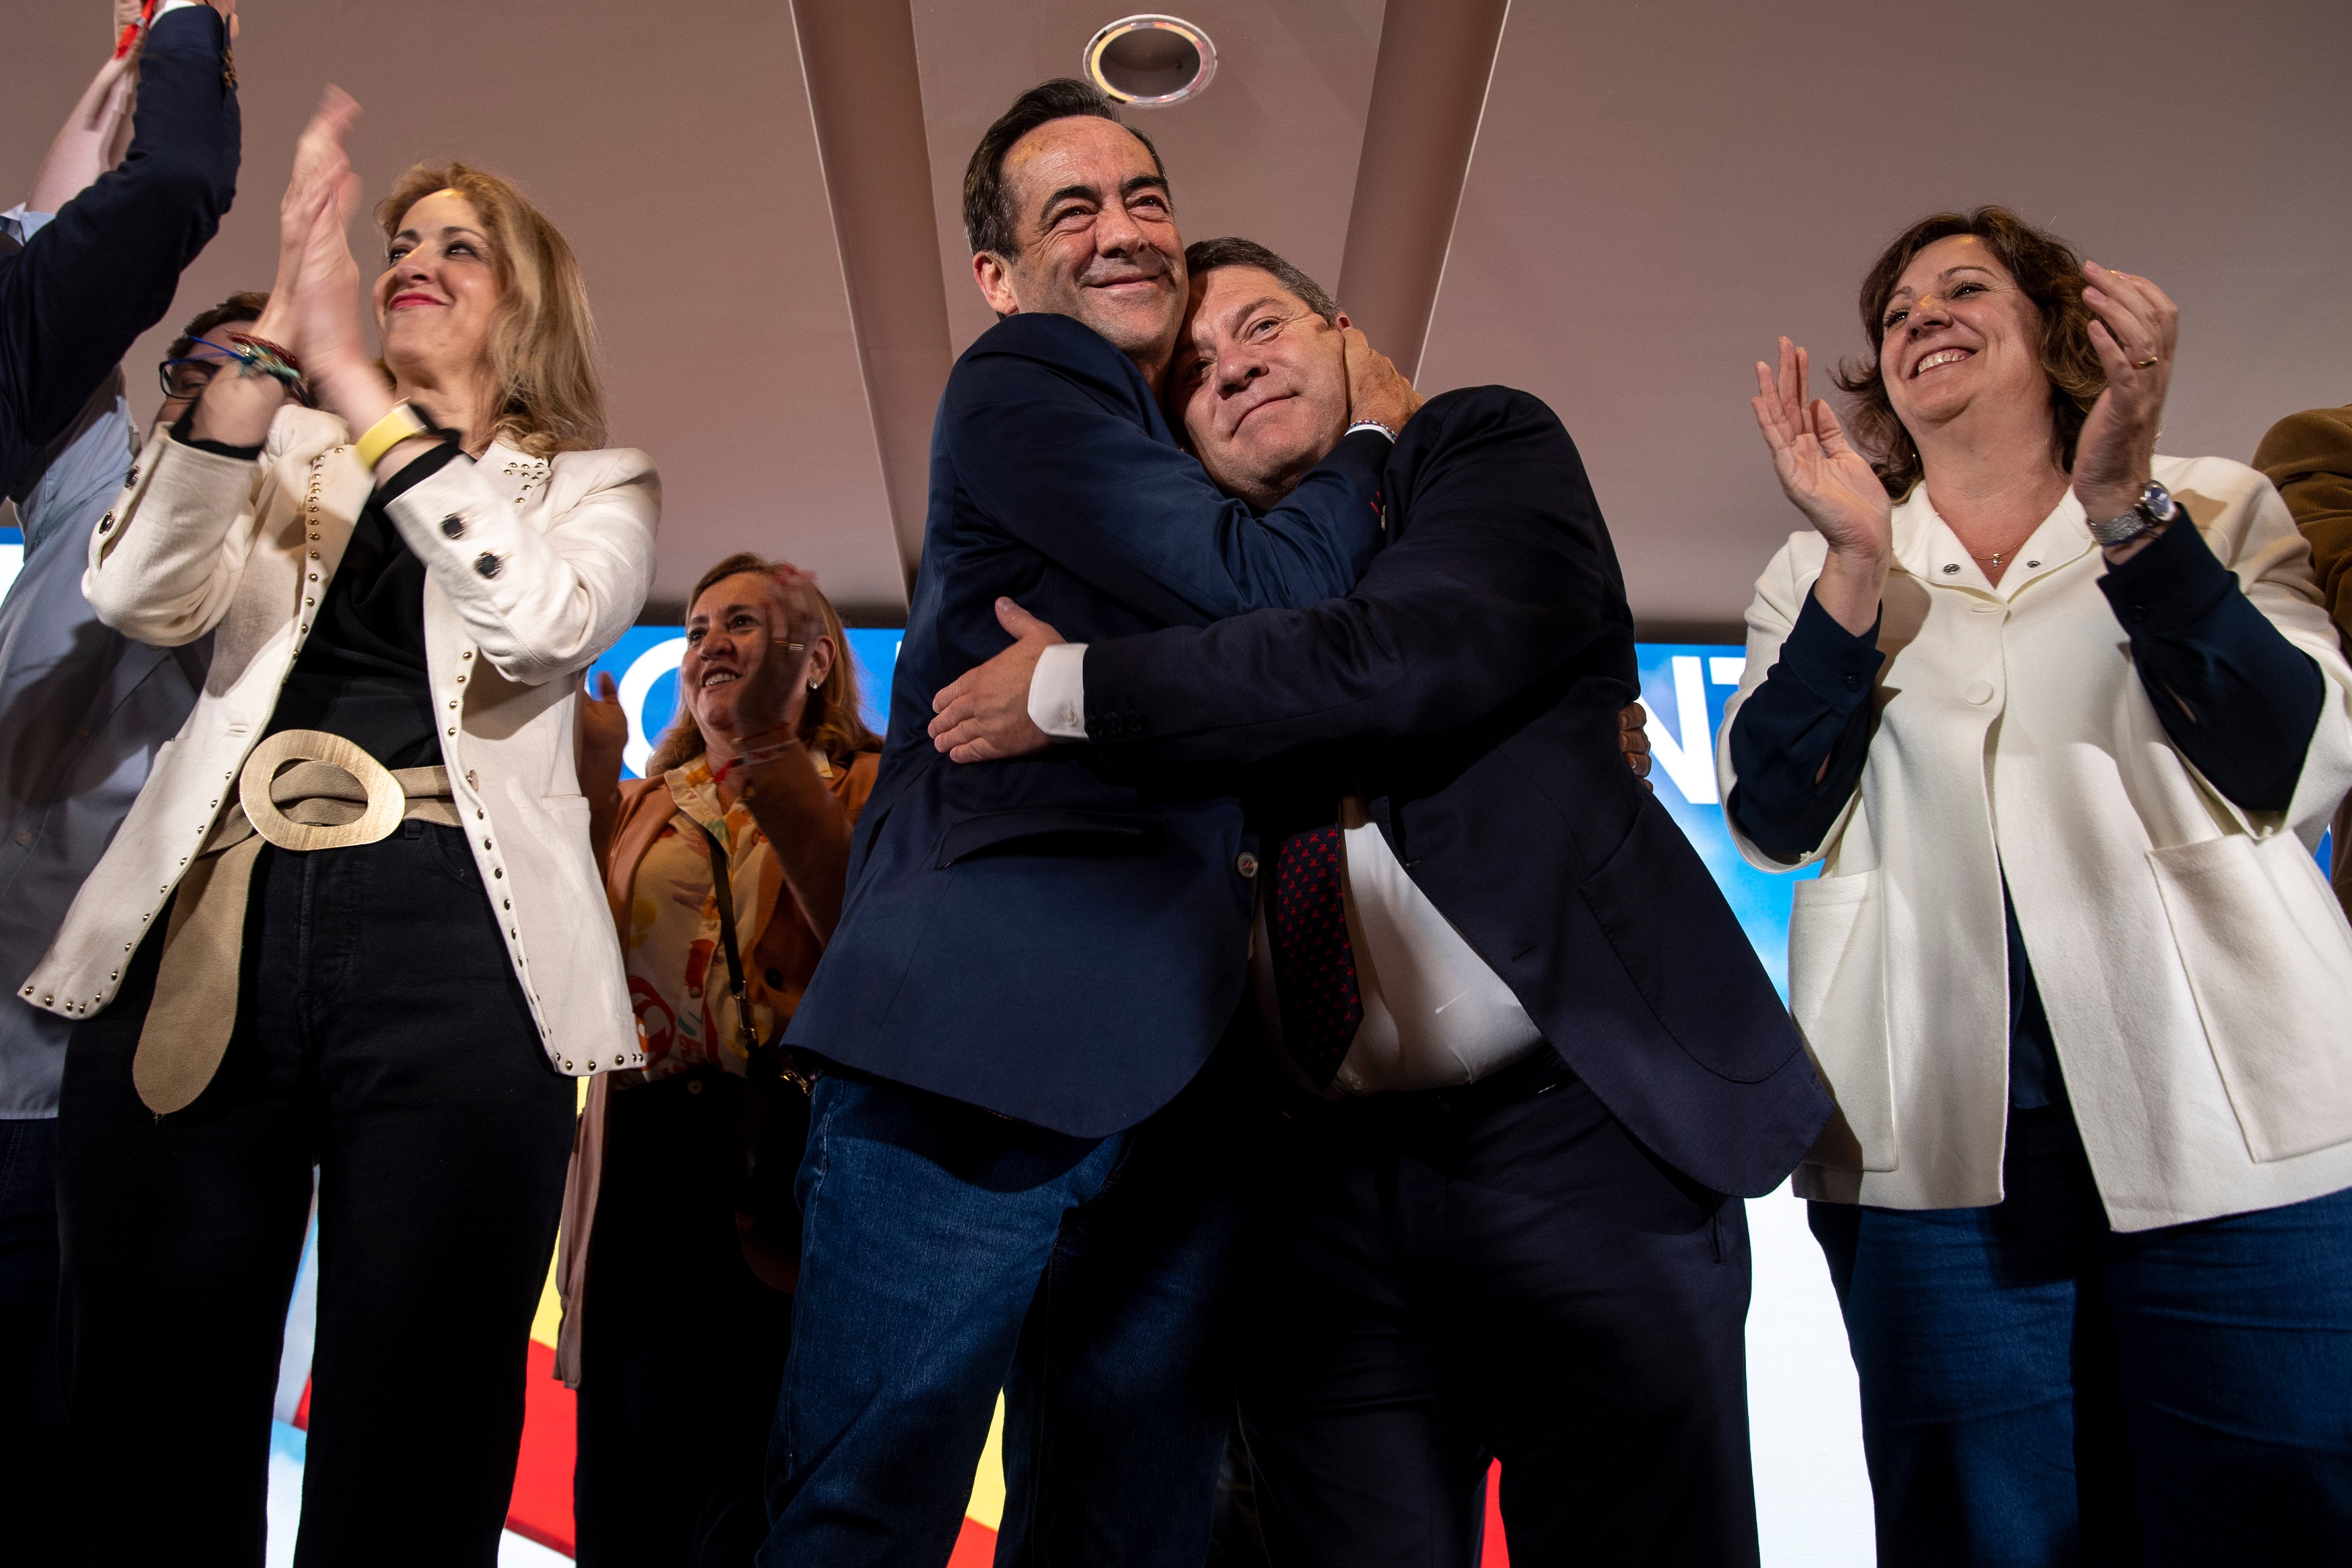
[{"x": 2144, "y": 363}]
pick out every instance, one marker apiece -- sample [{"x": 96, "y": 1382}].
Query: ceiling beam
[
  {"x": 857, "y": 57},
  {"x": 1429, "y": 94}
]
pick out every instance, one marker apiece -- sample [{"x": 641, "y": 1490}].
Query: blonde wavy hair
[
  {"x": 830, "y": 721},
  {"x": 543, "y": 343}
]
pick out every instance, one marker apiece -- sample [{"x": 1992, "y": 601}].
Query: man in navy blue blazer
[
  {"x": 1528, "y": 1062},
  {"x": 90, "y": 279},
  {"x": 1015, "y": 1174},
  {"x": 89, "y": 261}
]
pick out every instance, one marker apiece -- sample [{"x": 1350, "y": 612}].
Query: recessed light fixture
[{"x": 1151, "y": 59}]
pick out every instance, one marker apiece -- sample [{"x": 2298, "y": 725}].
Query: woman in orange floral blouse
[{"x": 676, "y": 1305}]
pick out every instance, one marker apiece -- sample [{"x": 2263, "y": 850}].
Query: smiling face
[
  {"x": 1259, "y": 382},
  {"x": 1098, "y": 237},
  {"x": 1957, "y": 332},
  {"x": 731, "y": 631},
  {"x": 439, "y": 299}
]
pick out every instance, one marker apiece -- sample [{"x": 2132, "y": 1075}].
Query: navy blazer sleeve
[
  {"x": 1503, "y": 574},
  {"x": 2238, "y": 698},
  {"x": 1057, "y": 440},
  {"x": 105, "y": 269}
]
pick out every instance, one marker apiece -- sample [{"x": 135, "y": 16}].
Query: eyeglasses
[{"x": 187, "y": 378}]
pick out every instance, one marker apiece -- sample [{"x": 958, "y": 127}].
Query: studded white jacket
[{"x": 533, "y": 567}]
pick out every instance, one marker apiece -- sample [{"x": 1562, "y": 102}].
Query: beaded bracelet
[{"x": 261, "y": 357}]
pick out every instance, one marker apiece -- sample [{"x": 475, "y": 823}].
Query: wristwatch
[{"x": 2154, "y": 508}]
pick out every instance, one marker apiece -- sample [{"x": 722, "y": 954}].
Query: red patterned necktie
[{"x": 1314, "y": 963}]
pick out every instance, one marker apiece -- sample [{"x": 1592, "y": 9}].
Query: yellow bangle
[{"x": 389, "y": 432}]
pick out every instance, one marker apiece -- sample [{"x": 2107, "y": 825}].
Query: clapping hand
[
  {"x": 771, "y": 696},
  {"x": 1832, "y": 484},
  {"x": 317, "y": 281},
  {"x": 603, "y": 731},
  {"x": 2135, "y": 330}
]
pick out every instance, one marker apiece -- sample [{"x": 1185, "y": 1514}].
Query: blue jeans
[
  {"x": 2038, "y": 1389},
  {"x": 949, "y": 1253}
]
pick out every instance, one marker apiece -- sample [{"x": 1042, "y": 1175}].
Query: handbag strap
[{"x": 761, "y": 1054}]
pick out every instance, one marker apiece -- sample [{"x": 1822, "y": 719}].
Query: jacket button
[
  {"x": 453, "y": 526},
  {"x": 106, "y": 523},
  {"x": 775, "y": 978},
  {"x": 2136, "y": 613},
  {"x": 1951, "y": 568},
  {"x": 1247, "y": 864},
  {"x": 1980, "y": 692},
  {"x": 487, "y": 564},
  {"x": 1853, "y": 681}
]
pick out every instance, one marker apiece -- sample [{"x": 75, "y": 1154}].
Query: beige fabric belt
[{"x": 332, "y": 795}]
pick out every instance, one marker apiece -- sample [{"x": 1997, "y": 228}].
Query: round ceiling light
[{"x": 1151, "y": 59}]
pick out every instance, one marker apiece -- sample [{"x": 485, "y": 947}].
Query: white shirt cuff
[{"x": 1057, "y": 692}]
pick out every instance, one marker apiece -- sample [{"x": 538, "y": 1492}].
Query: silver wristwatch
[{"x": 2154, "y": 508}]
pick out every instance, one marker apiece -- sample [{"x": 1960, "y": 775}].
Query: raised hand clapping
[{"x": 1832, "y": 484}]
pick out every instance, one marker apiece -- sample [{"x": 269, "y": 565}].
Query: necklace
[{"x": 1995, "y": 558}]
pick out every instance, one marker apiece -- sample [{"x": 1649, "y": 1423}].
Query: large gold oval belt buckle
[{"x": 387, "y": 802}]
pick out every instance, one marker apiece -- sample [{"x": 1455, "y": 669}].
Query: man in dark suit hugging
[
  {"x": 1017, "y": 1172},
  {"x": 1529, "y": 1062}
]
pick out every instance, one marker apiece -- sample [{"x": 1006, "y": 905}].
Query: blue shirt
[{"x": 82, "y": 711}]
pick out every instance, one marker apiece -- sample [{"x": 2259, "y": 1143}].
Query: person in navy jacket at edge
[
  {"x": 1530, "y": 1059},
  {"x": 89, "y": 261},
  {"x": 1015, "y": 1176}
]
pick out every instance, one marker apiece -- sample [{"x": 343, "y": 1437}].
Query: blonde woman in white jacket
[
  {"x": 2061, "y": 720},
  {"x": 354, "y": 919}
]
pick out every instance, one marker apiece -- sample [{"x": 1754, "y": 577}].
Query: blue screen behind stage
[{"x": 1684, "y": 686}]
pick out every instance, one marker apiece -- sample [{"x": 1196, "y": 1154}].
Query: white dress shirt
[{"x": 1436, "y": 1014}]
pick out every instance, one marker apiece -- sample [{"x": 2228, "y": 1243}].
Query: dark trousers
[
  {"x": 1498, "y": 1271},
  {"x": 683, "y": 1348},
  {"x": 380, "y": 1035},
  {"x": 948, "y": 1252},
  {"x": 32, "y": 1399},
  {"x": 2039, "y": 1390}
]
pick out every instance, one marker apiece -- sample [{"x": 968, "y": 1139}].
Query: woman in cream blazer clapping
[
  {"x": 2061, "y": 720},
  {"x": 351, "y": 921}
]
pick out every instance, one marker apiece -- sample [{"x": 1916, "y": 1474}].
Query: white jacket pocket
[
  {"x": 1837, "y": 992},
  {"x": 2269, "y": 959}
]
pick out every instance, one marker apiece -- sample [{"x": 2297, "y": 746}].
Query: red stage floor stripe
[
  {"x": 1495, "y": 1554},
  {"x": 975, "y": 1548},
  {"x": 542, "y": 1508}
]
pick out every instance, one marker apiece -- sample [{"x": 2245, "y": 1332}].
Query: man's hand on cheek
[{"x": 983, "y": 716}]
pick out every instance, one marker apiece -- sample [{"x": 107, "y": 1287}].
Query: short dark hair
[
  {"x": 1208, "y": 254},
  {"x": 246, "y": 306},
  {"x": 990, "y": 223},
  {"x": 2050, "y": 274}
]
